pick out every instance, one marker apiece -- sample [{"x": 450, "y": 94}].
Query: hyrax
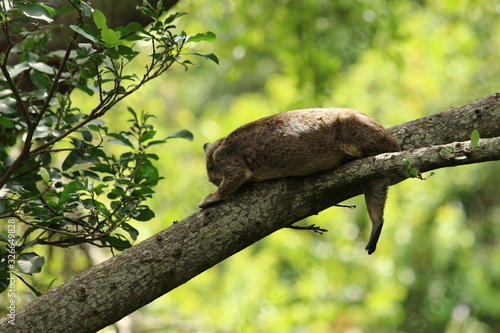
[{"x": 299, "y": 143}]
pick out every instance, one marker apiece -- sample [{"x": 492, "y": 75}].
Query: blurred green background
[{"x": 437, "y": 266}]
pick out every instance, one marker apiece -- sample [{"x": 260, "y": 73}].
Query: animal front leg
[
  {"x": 230, "y": 183},
  {"x": 375, "y": 197}
]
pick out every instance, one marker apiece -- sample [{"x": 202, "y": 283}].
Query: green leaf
[
  {"x": 85, "y": 49},
  {"x": 55, "y": 220},
  {"x": 406, "y": 172},
  {"x": 100, "y": 19},
  {"x": 130, "y": 31},
  {"x": 30, "y": 262},
  {"x": 413, "y": 171},
  {"x": 110, "y": 37},
  {"x": 72, "y": 159},
  {"x": 36, "y": 10},
  {"x": 181, "y": 134},
  {"x": 143, "y": 191},
  {"x": 70, "y": 189},
  {"x": 45, "y": 175},
  {"x": 202, "y": 37},
  {"x": 152, "y": 156},
  {"x": 84, "y": 33},
  {"x": 86, "y": 8},
  {"x": 148, "y": 135},
  {"x": 174, "y": 16},
  {"x": 87, "y": 74},
  {"x": 40, "y": 80},
  {"x": 41, "y": 67},
  {"x": 444, "y": 153},
  {"x": 101, "y": 167},
  {"x": 474, "y": 138},
  {"x": 143, "y": 213},
  {"x": 131, "y": 230},
  {"x": 3, "y": 206},
  {"x": 120, "y": 139},
  {"x": 87, "y": 136},
  {"x": 156, "y": 142},
  {"x": 6, "y": 123},
  {"x": 209, "y": 56},
  {"x": 188, "y": 62},
  {"x": 118, "y": 243}
]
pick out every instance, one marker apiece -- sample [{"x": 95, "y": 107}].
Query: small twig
[
  {"x": 10, "y": 81},
  {"x": 99, "y": 145},
  {"x": 77, "y": 235},
  {"x": 311, "y": 227},
  {"x": 345, "y": 206}
]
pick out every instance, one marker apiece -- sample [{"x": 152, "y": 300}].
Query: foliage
[{"x": 57, "y": 176}]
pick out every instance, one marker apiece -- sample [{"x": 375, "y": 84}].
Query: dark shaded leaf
[
  {"x": 185, "y": 134},
  {"x": 131, "y": 230},
  {"x": 143, "y": 213},
  {"x": 120, "y": 139},
  {"x": 5, "y": 122},
  {"x": 209, "y": 56},
  {"x": 148, "y": 135},
  {"x": 117, "y": 243}
]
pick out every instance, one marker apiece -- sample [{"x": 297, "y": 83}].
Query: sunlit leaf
[
  {"x": 83, "y": 33},
  {"x": 70, "y": 189},
  {"x": 30, "y": 263},
  {"x": 174, "y": 16},
  {"x": 86, "y": 8},
  {"x": 203, "y": 37},
  {"x": 110, "y": 37},
  {"x": 474, "y": 138},
  {"x": 45, "y": 175},
  {"x": 36, "y": 10},
  {"x": 100, "y": 19},
  {"x": 42, "y": 67}
]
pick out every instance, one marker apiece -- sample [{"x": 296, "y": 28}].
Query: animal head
[{"x": 213, "y": 171}]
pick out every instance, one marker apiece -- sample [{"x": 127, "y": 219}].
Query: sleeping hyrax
[{"x": 299, "y": 143}]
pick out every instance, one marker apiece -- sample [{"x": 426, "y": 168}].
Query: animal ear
[{"x": 206, "y": 147}]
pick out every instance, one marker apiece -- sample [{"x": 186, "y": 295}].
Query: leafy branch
[{"x": 56, "y": 176}]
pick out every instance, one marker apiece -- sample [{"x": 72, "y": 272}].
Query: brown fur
[{"x": 299, "y": 143}]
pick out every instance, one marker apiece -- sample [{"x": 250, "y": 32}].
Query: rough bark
[{"x": 107, "y": 292}]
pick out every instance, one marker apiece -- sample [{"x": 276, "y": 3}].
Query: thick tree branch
[{"x": 109, "y": 291}]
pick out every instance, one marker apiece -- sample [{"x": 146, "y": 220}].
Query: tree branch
[{"x": 111, "y": 290}]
